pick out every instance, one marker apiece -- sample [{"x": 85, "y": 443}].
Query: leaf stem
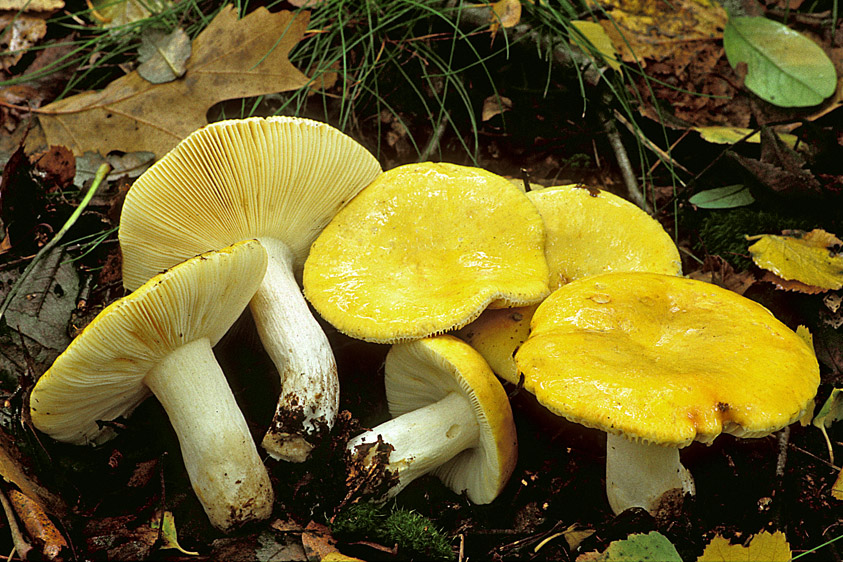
[{"x": 102, "y": 172}]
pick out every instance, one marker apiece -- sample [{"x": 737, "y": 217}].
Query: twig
[
  {"x": 629, "y": 179},
  {"x": 435, "y": 138},
  {"x": 783, "y": 439},
  {"x": 102, "y": 172},
  {"x": 21, "y": 546}
]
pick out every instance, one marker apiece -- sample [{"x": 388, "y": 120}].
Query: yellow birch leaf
[
  {"x": 731, "y": 135},
  {"x": 600, "y": 40},
  {"x": 837, "y": 488},
  {"x": 764, "y": 547},
  {"x": 231, "y": 59},
  {"x": 507, "y": 14},
  {"x": 814, "y": 258}
]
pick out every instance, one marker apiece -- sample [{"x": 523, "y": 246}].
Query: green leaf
[
  {"x": 830, "y": 412},
  {"x": 784, "y": 67},
  {"x": 727, "y": 197},
  {"x": 169, "y": 536},
  {"x": 637, "y": 548}
]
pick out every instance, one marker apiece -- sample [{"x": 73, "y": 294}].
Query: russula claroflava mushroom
[
  {"x": 658, "y": 361},
  {"x": 451, "y": 418},
  {"x": 589, "y": 232},
  {"x": 280, "y": 180},
  {"x": 158, "y": 340},
  {"x": 425, "y": 249}
]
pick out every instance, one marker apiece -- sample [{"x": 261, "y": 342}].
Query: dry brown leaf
[
  {"x": 231, "y": 59},
  {"x": 790, "y": 284},
  {"x": 652, "y": 29},
  {"x": 18, "y": 32},
  {"x": 13, "y": 469},
  {"x": 494, "y": 105},
  {"x": 317, "y": 541},
  {"x": 43, "y": 531},
  {"x": 718, "y": 271}
]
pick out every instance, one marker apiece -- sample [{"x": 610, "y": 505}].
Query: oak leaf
[{"x": 231, "y": 59}]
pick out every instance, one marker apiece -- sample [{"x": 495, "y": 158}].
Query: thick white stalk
[
  {"x": 639, "y": 474},
  {"x": 219, "y": 454},
  {"x": 294, "y": 340},
  {"x": 425, "y": 438}
]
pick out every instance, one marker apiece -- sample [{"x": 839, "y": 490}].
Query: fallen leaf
[
  {"x": 163, "y": 55},
  {"x": 719, "y": 272},
  {"x": 42, "y": 308},
  {"x": 784, "y": 67},
  {"x": 18, "y": 32},
  {"x": 317, "y": 541},
  {"x": 38, "y": 524},
  {"x": 813, "y": 258},
  {"x": 130, "y": 165},
  {"x": 231, "y": 59},
  {"x": 594, "y": 33},
  {"x": 837, "y": 488},
  {"x": 652, "y": 546},
  {"x": 116, "y": 13},
  {"x": 831, "y": 411},
  {"x": 832, "y": 301},
  {"x": 790, "y": 284},
  {"x": 119, "y": 538},
  {"x": 652, "y": 29},
  {"x": 506, "y": 14},
  {"x": 31, "y": 5},
  {"x": 727, "y": 197},
  {"x": 731, "y": 135},
  {"x": 495, "y": 105},
  {"x": 14, "y": 468},
  {"x": 169, "y": 536},
  {"x": 763, "y": 547}
]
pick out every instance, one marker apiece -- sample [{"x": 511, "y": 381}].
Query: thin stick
[
  {"x": 629, "y": 179},
  {"x": 21, "y": 546},
  {"x": 102, "y": 172}
]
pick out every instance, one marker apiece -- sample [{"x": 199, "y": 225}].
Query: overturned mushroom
[
  {"x": 658, "y": 361},
  {"x": 158, "y": 340},
  {"x": 279, "y": 179},
  {"x": 451, "y": 418}
]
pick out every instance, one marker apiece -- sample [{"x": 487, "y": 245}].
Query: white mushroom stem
[
  {"x": 639, "y": 474},
  {"x": 294, "y": 340},
  {"x": 219, "y": 454},
  {"x": 425, "y": 438}
]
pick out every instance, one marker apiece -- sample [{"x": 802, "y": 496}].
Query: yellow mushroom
[{"x": 657, "y": 362}]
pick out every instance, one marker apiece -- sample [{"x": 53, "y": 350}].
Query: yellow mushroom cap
[
  {"x": 425, "y": 249},
  {"x": 588, "y": 232},
  {"x": 422, "y": 372},
  {"x": 666, "y": 360},
  {"x": 276, "y": 177},
  {"x": 100, "y": 374}
]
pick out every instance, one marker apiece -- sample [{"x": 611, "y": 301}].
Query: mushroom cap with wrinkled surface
[
  {"x": 425, "y": 249},
  {"x": 277, "y": 177},
  {"x": 422, "y": 372},
  {"x": 100, "y": 374},
  {"x": 588, "y": 232},
  {"x": 666, "y": 360}
]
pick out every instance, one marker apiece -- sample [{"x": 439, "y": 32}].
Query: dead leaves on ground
[
  {"x": 814, "y": 259},
  {"x": 231, "y": 59}
]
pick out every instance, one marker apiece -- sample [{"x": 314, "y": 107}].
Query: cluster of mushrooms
[{"x": 574, "y": 293}]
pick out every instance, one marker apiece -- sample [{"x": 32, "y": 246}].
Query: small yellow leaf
[
  {"x": 764, "y": 547},
  {"x": 731, "y": 135},
  {"x": 814, "y": 258},
  {"x": 597, "y": 36},
  {"x": 505, "y": 13},
  {"x": 169, "y": 535},
  {"x": 837, "y": 489}
]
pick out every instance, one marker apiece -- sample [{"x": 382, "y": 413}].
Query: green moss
[
  {"x": 723, "y": 233},
  {"x": 416, "y": 536}
]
